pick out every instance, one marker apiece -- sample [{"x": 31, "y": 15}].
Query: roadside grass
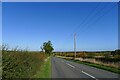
[
  {"x": 45, "y": 70},
  {"x": 0, "y": 63},
  {"x": 100, "y": 66},
  {"x": 108, "y": 68},
  {"x": 0, "y": 69}
]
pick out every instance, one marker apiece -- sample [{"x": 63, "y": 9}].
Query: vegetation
[
  {"x": 47, "y": 47},
  {"x": 45, "y": 70},
  {"x": 104, "y": 56},
  {"x": 108, "y": 68},
  {"x": 112, "y": 69},
  {"x": 107, "y": 60},
  {"x": 21, "y": 64},
  {"x": 100, "y": 66},
  {"x": 0, "y": 61}
]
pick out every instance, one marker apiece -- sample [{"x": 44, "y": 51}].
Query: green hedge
[
  {"x": 108, "y": 59},
  {"x": 19, "y": 64}
]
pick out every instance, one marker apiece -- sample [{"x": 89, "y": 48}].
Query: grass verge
[
  {"x": 100, "y": 66},
  {"x": 45, "y": 70},
  {"x": 111, "y": 69}
]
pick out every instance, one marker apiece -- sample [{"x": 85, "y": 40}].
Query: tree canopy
[{"x": 47, "y": 47}]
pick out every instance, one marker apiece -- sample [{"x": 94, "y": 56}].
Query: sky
[
  {"x": 0, "y": 23},
  {"x": 30, "y": 24},
  {"x": 60, "y": 0}
]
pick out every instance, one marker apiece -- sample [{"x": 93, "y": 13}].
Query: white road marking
[
  {"x": 70, "y": 65},
  {"x": 89, "y": 75}
]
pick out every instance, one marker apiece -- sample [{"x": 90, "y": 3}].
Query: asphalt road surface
[{"x": 67, "y": 69}]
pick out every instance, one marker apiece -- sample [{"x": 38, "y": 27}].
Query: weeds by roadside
[
  {"x": 45, "y": 70},
  {"x": 21, "y": 64}
]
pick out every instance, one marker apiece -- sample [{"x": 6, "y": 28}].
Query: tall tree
[{"x": 47, "y": 47}]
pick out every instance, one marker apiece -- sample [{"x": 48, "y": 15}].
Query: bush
[
  {"x": 108, "y": 59},
  {"x": 21, "y": 64}
]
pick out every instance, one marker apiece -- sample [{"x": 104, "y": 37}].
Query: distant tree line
[{"x": 116, "y": 52}]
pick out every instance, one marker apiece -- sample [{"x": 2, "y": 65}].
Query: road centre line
[
  {"x": 82, "y": 71},
  {"x": 70, "y": 65},
  {"x": 89, "y": 75}
]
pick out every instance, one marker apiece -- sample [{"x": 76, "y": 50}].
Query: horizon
[
  {"x": 64, "y": 51},
  {"x": 31, "y": 24}
]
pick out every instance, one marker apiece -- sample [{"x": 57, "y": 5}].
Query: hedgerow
[{"x": 21, "y": 64}]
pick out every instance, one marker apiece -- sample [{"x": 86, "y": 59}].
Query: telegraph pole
[{"x": 75, "y": 45}]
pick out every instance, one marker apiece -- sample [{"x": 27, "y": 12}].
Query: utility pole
[{"x": 75, "y": 45}]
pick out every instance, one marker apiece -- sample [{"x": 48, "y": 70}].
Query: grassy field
[{"x": 45, "y": 70}]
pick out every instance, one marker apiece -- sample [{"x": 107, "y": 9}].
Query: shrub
[{"x": 21, "y": 64}]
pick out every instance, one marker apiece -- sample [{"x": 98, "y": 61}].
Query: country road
[{"x": 67, "y": 69}]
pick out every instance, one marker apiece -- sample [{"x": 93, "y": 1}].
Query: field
[{"x": 107, "y": 60}]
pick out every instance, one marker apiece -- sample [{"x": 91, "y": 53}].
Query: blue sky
[
  {"x": 0, "y": 23},
  {"x": 30, "y": 24}
]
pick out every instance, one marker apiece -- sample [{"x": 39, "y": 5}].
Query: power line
[
  {"x": 100, "y": 17},
  {"x": 85, "y": 19},
  {"x": 93, "y": 17},
  {"x": 97, "y": 18}
]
